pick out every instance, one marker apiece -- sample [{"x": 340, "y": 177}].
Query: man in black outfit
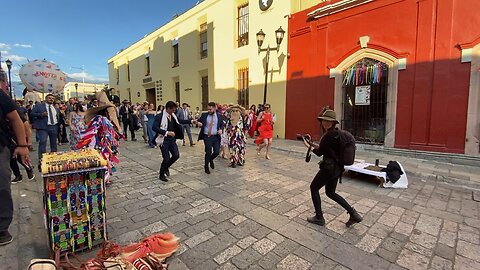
[
  {"x": 168, "y": 129},
  {"x": 126, "y": 113},
  {"x": 211, "y": 124},
  {"x": 10, "y": 124},
  {"x": 330, "y": 169}
]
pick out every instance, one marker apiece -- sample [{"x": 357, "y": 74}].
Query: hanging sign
[
  {"x": 362, "y": 95},
  {"x": 264, "y": 4}
]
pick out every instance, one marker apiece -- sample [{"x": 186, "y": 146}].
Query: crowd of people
[{"x": 224, "y": 130}]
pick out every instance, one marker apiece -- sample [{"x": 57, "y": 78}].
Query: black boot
[
  {"x": 354, "y": 218},
  {"x": 317, "y": 219}
]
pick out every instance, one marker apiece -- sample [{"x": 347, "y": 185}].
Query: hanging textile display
[
  {"x": 74, "y": 199},
  {"x": 363, "y": 74}
]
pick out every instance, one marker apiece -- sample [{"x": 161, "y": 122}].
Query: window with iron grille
[
  {"x": 243, "y": 87},
  {"x": 365, "y": 86},
  {"x": 147, "y": 65},
  {"x": 203, "y": 41},
  {"x": 242, "y": 25},
  {"x": 117, "y": 75}
]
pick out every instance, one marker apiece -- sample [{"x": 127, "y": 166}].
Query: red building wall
[{"x": 433, "y": 90}]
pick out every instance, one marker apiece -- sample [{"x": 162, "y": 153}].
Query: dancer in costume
[
  {"x": 236, "y": 135},
  {"x": 102, "y": 132}
]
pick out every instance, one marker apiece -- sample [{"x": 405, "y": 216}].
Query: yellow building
[
  {"x": 80, "y": 89},
  {"x": 210, "y": 53}
]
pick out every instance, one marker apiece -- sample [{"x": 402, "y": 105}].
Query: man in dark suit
[
  {"x": 45, "y": 120},
  {"x": 184, "y": 114},
  {"x": 126, "y": 113},
  {"x": 168, "y": 129},
  {"x": 211, "y": 124}
]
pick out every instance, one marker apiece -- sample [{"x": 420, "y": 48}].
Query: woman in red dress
[{"x": 266, "y": 120}]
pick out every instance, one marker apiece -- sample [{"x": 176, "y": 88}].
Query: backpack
[{"x": 346, "y": 151}]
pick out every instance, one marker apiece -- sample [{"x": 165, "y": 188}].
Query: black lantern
[
  {"x": 279, "y": 34},
  {"x": 260, "y": 38},
  {"x": 76, "y": 91},
  {"x": 9, "y": 67}
]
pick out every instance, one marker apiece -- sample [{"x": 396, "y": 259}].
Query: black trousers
[
  {"x": 14, "y": 166},
  {"x": 328, "y": 177},
  {"x": 128, "y": 125},
  {"x": 169, "y": 147},
  {"x": 212, "y": 148},
  {"x": 6, "y": 203}
]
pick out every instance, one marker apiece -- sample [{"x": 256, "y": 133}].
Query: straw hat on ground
[{"x": 103, "y": 104}]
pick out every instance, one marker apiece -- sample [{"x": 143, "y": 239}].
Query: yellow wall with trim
[{"x": 221, "y": 65}]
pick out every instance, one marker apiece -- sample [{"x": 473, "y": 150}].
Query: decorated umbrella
[{"x": 42, "y": 76}]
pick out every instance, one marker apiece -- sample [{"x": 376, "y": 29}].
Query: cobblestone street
[{"x": 254, "y": 217}]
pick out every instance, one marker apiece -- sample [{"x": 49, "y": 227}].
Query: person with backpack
[
  {"x": 11, "y": 125},
  {"x": 336, "y": 148}
]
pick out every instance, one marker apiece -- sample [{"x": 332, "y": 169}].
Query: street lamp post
[
  {"x": 9, "y": 67},
  {"x": 279, "y": 33},
  {"x": 76, "y": 91}
]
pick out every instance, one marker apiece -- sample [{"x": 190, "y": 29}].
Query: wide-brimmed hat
[
  {"x": 103, "y": 103},
  {"x": 328, "y": 115},
  {"x": 236, "y": 106}
]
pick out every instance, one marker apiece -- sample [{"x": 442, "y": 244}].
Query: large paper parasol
[{"x": 42, "y": 76}]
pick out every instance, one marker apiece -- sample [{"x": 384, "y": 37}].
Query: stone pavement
[{"x": 254, "y": 217}]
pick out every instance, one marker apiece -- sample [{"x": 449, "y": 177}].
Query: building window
[
  {"x": 242, "y": 25},
  {"x": 177, "y": 91},
  {"x": 175, "y": 52},
  {"x": 243, "y": 87},
  {"x": 117, "y": 75},
  {"x": 147, "y": 65},
  {"x": 203, "y": 41},
  {"x": 128, "y": 72}
]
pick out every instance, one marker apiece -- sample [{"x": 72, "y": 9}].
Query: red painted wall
[{"x": 433, "y": 91}]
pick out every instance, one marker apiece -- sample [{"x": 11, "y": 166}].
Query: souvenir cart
[{"x": 74, "y": 199}]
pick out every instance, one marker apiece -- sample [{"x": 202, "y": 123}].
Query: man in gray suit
[{"x": 183, "y": 113}]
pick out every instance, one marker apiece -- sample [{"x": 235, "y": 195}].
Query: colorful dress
[
  {"x": 265, "y": 129},
  {"x": 102, "y": 136},
  {"x": 236, "y": 141},
  {"x": 77, "y": 127}
]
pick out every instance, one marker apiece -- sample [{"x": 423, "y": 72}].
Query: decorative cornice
[
  {"x": 395, "y": 54},
  {"x": 335, "y": 7},
  {"x": 469, "y": 45},
  {"x": 301, "y": 31}
]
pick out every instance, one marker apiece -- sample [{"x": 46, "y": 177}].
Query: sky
[{"x": 78, "y": 34}]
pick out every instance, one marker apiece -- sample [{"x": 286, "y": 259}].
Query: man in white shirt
[{"x": 45, "y": 119}]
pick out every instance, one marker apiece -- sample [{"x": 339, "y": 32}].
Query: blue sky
[{"x": 73, "y": 33}]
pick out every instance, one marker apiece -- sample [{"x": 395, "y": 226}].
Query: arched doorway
[
  {"x": 392, "y": 65},
  {"x": 364, "y": 103}
]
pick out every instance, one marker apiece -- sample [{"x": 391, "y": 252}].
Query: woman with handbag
[{"x": 330, "y": 169}]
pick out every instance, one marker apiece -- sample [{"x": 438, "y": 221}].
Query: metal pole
[
  {"x": 266, "y": 77},
  {"x": 10, "y": 82}
]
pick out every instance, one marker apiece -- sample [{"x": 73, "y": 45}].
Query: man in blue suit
[
  {"x": 211, "y": 124},
  {"x": 46, "y": 119}
]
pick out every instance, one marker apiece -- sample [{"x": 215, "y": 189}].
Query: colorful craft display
[
  {"x": 72, "y": 160},
  {"x": 42, "y": 76},
  {"x": 75, "y": 209},
  {"x": 102, "y": 136},
  {"x": 363, "y": 74}
]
